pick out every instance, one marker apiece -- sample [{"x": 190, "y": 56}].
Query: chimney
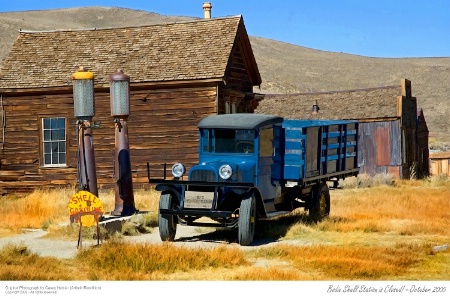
[
  {"x": 207, "y": 10},
  {"x": 315, "y": 109}
]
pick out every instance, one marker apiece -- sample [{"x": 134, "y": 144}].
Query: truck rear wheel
[
  {"x": 247, "y": 221},
  {"x": 167, "y": 223},
  {"x": 320, "y": 204}
]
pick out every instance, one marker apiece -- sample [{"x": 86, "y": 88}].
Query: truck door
[
  {"x": 265, "y": 163},
  {"x": 278, "y": 153}
]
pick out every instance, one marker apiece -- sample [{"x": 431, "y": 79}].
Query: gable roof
[
  {"x": 190, "y": 50},
  {"x": 358, "y": 104}
]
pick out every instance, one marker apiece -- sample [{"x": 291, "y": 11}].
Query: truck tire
[
  {"x": 320, "y": 204},
  {"x": 247, "y": 221},
  {"x": 167, "y": 223}
]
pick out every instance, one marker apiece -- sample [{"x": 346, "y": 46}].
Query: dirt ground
[{"x": 37, "y": 242}]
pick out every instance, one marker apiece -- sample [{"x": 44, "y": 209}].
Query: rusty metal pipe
[
  {"x": 87, "y": 170},
  {"x": 84, "y": 110},
  {"x": 120, "y": 109},
  {"x": 124, "y": 196}
]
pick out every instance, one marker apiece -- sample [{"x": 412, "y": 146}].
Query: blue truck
[{"x": 257, "y": 166}]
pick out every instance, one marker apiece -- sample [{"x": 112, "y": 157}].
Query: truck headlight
[
  {"x": 225, "y": 171},
  {"x": 178, "y": 170}
]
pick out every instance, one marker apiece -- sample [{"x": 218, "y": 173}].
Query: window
[
  {"x": 228, "y": 141},
  {"x": 227, "y": 107},
  {"x": 54, "y": 141}
]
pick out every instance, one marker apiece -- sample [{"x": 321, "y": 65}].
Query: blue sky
[{"x": 374, "y": 28}]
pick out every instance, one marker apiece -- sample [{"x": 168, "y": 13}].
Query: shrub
[{"x": 364, "y": 180}]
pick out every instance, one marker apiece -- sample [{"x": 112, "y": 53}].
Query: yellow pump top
[{"x": 82, "y": 74}]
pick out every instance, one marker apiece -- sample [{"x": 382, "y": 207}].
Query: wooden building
[
  {"x": 388, "y": 139},
  {"x": 180, "y": 72},
  {"x": 440, "y": 163}
]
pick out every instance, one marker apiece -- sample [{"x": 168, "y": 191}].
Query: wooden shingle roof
[
  {"x": 192, "y": 50},
  {"x": 370, "y": 103}
]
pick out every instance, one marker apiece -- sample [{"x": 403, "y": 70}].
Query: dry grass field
[{"x": 374, "y": 232}]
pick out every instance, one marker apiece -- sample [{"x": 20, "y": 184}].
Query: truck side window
[
  {"x": 245, "y": 141},
  {"x": 206, "y": 141},
  {"x": 265, "y": 142}
]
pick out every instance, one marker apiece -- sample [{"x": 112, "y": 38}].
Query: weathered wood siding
[
  {"x": 440, "y": 166},
  {"x": 440, "y": 163},
  {"x": 22, "y": 141},
  {"x": 423, "y": 151},
  {"x": 407, "y": 109},
  {"x": 237, "y": 84},
  {"x": 162, "y": 127},
  {"x": 379, "y": 148}
]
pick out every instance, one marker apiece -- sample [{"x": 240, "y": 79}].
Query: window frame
[{"x": 42, "y": 141}]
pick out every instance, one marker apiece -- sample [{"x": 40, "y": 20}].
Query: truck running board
[{"x": 271, "y": 215}]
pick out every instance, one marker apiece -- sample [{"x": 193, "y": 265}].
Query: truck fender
[
  {"x": 259, "y": 202},
  {"x": 168, "y": 188}
]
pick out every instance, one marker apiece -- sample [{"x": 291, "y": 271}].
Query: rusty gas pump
[
  {"x": 120, "y": 110},
  {"x": 83, "y": 95}
]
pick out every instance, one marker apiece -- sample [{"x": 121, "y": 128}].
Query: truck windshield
[{"x": 228, "y": 141}]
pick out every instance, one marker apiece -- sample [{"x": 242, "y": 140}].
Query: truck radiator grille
[{"x": 203, "y": 175}]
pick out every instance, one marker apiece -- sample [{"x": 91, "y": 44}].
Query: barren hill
[{"x": 285, "y": 68}]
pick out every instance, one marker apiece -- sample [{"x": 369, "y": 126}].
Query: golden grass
[
  {"x": 19, "y": 264},
  {"x": 344, "y": 263},
  {"x": 377, "y": 233},
  {"x": 404, "y": 208},
  {"x": 145, "y": 259},
  {"x": 47, "y": 209},
  {"x": 36, "y": 210}
]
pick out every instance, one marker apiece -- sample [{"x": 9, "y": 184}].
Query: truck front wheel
[
  {"x": 320, "y": 204},
  {"x": 167, "y": 223},
  {"x": 247, "y": 221}
]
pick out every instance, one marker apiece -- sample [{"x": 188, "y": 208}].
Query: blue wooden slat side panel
[
  {"x": 337, "y": 147},
  {"x": 295, "y": 154}
]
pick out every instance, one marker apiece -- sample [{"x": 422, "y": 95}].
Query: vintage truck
[{"x": 256, "y": 166}]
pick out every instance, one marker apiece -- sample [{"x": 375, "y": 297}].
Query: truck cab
[{"x": 244, "y": 174}]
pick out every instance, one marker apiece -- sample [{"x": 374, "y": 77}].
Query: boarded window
[{"x": 54, "y": 141}]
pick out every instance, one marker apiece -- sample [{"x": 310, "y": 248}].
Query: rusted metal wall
[{"x": 379, "y": 147}]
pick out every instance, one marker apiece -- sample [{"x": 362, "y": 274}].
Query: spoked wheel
[
  {"x": 247, "y": 221},
  {"x": 167, "y": 223},
  {"x": 320, "y": 204}
]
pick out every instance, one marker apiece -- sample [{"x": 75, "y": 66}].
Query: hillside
[{"x": 284, "y": 68}]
